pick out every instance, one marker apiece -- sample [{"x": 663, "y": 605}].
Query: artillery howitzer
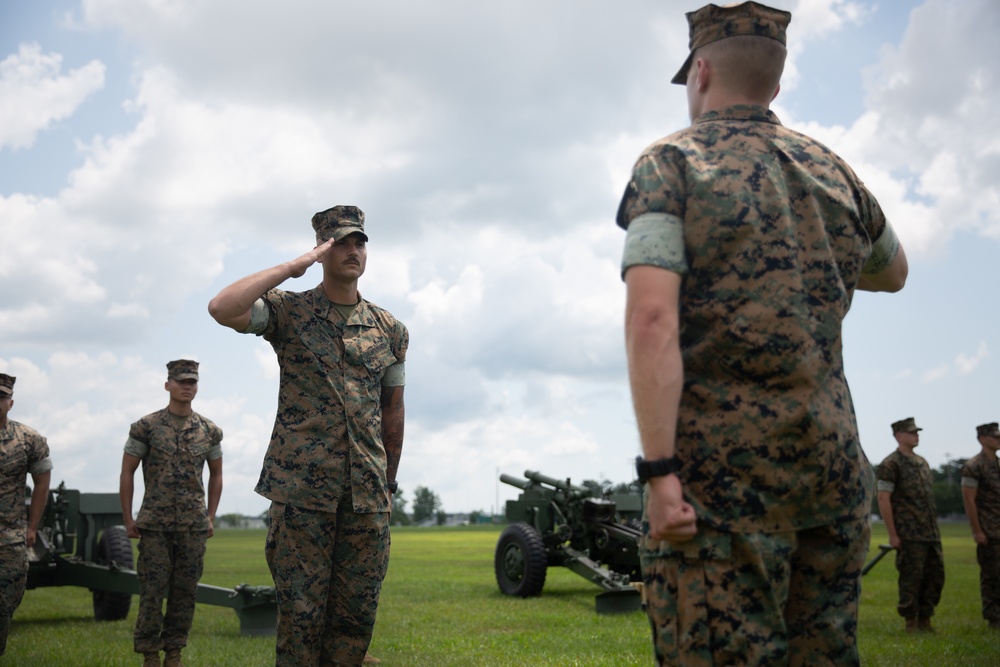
[
  {"x": 81, "y": 542},
  {"x": 553, "y": 523}
]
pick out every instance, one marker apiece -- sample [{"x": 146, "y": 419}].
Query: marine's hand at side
[{"x": 671, "y": 518}]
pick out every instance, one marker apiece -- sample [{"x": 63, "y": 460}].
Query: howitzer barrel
[
  {"x": 514, "y": 481},
  {"x": 560, "y": 484}
]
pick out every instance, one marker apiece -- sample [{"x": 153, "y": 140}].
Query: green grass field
[{"x": 440, "y": 606}]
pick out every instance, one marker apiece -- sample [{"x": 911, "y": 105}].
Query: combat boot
[
  {"x": 911, "y": 625},
  {"x": 151, "y": 659},
  {"x": 371, "y": 660},
  {"x": 924, "y": 625},
  {"x": 172, "y": 658}
]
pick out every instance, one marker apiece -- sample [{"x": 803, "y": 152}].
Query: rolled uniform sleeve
[
  {"x": 136, "y": 448},
  {"x": 884, "y": 251},
  {"x": 39, "y": 461},
  {"x": 655, "y": 239},
  {"x": 652, "y": 211},
  {"x": 395, "y": 375},
  {"x": 886, "y": 486},
  {"x": 260, "y": 317}
]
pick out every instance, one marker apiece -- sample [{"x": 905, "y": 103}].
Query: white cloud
[
  {"x": 936, "y": 96},
  {"x": 815, "y": 19},
  {"x": 34, "y": 94},
  {"x": 488, "y": 145},
  {"x": 938, "y": 372},
  {"x": 966, "y": 364}
]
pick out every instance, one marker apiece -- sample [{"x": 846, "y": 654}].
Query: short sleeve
[
  {"x": 655, "y": 239},
  {"x": 260, "y": 318},
  {"x": 136, "y": 448},
  {"x": 395, "y": 375},
  {"x": 884, "y": 251},
  {"x": 657, "y": 185}
]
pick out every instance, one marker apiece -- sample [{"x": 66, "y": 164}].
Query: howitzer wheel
[
  {"x": 520, "y": 561},
  {"x": 114, "y": 545}
]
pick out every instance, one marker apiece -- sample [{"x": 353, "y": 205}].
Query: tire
[
  {"x": 520, "y": 561},
  {"x": 114, "y": 545}
]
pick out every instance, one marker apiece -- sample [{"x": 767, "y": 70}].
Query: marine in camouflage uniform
[
  {"x": 981, "y": 494},
  {"x": 23, "y": 452},
  {"x": 173, "y": 446},
  {"x": 334, "y": 451},
  {"x": 745, "y": 243},
  {"x": 906, "y": 503}
]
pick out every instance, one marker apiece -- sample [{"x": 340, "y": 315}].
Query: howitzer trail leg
[{"x": 883, "y": 549}]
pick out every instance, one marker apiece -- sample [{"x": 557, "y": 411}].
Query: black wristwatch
[
  {"x": 393, "y": 485},
  {"x": 657, "y": 468}
]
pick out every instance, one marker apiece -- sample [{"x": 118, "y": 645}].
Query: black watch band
[
  {"x": 393, "y": 485},
  {"x": 645, "y": 470}
]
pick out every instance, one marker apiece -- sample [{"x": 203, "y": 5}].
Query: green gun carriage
[
  {"x": 556, "y": 524},
  {"x": 81, "y": 542}
]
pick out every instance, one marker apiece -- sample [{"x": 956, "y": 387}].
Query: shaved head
[{"x": 746, "y": 65}]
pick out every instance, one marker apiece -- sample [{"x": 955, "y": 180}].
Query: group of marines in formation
[{"x": 906, "y": 505}]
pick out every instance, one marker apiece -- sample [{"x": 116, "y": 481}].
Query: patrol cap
[
  {"x": 182, "y": 369},
  {"x": 993, "y": 428},
  {"x": 907, "y": 425},
  {"x": 7, "y": 385},
  {"x": 712, "y": 23},
  {"x": 338, "y": 222}
]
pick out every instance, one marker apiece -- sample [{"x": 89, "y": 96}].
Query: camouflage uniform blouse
[
  {"x": 909, "y": 481},
  {"x": 172, "y": 464},
  {"x": 327, "y": 437},
  {"x": 22, "y": 452},
  {"x": 982, "y": 472},
  {"x": 771, "y": 231}
]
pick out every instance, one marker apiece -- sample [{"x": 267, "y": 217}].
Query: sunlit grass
[{"x": 441, "y": 606}]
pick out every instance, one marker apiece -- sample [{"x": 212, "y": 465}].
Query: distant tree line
[
  {"x": 426, "y": 505},
  {"x": 606, "y": 488}
]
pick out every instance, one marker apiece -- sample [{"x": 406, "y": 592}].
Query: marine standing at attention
[
  {"x": 174, "y": 522},
  {"x": 745, "y": 244},
  {"x": 330, "y": 468},
  {"x": 23, "y": 452},
  {"x": 981, "y": 496},
  {"x": 906, "y": 503}
]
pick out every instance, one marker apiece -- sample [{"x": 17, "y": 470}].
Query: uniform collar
[
  {"x": 750, "y": 112},
  {"x": 322, "y": 306}
]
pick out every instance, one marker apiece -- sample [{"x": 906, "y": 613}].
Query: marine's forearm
[{"x": 393, "y": 419}]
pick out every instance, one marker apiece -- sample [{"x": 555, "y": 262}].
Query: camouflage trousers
[
  {"x": 921, "y": 578},
  {"x": 988, "y": 556},
  {"x": 752, "y": 599},
  {"x": 13, "y": 578},
  {"x": 170, "y": 565},
  {"x": 328, "y": 570}
]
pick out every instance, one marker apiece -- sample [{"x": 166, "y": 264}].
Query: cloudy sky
[{"x": 154, "y": 151}]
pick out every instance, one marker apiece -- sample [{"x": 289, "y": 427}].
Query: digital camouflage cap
[
  {"x": 7, "y": 385},
  {"x": 182, "y": 369},
  {"x": 712, "y": 23},
  {"x": 907, "y": 425},
  {"x": 338, "y": 222},
  {"x": 993, "y": 428}
]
